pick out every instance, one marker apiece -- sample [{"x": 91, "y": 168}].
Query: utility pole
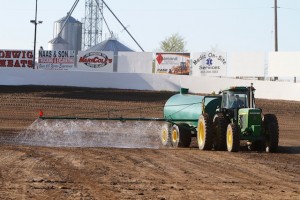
[
  {"x": 276, "y": 30},
  {"x": 276, "y": 25}
]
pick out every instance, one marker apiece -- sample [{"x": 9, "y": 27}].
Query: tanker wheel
[
  {"x": 180, "y": 136},
  {"x": 233, "y": 137},
  {"x": 185, "y": 136},
  {"x": 165, "y": 134},
  {"x": 204, "y": 132},
  {"x": 271, "y": 130},
  {"x": 219, "y": 128},
  {"x": 257, "y": 145}
]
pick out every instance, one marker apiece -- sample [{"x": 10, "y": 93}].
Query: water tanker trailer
[
  {"x": 186, "y": 114},
  {"x": 219, "y": 122}
]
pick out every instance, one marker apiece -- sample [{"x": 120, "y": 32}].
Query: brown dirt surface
[{"x": 104, "y": 172}]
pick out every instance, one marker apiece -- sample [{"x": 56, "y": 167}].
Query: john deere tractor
[
  {"x": 219, "y": 122},
  {"x": 238, "y": 119}
]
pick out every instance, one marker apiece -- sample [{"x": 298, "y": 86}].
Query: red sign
[
  {"x": 16, "y": 58},
  {"x": 95, "y": 59},
  {"x": 56, "y": 60},
  {"x": 159, "y": 58},
  {"x": 101, "y": 61}
]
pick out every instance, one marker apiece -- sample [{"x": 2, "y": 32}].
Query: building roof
[
  {"x": 58, "y": 40},
  {"x": 110, "y": 45},
  {"x": 70, "y": 20}
]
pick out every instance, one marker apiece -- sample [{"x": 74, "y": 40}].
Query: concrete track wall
[{"x": 138, "y": 81}]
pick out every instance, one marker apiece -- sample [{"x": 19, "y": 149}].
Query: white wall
[{"x": 158, "y": 82}]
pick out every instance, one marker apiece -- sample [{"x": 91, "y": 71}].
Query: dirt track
[{"x": 30, "y": 172}]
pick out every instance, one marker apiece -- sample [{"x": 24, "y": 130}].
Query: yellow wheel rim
[
  {"x": 201, "y": 135},
  {"x": 229, "y": 138},
  {"x": 174, "y": 135},
  {"x": 164, "y": 135}
]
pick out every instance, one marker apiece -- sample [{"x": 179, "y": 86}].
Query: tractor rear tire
[
  {"x": 165, "y": 134},
  {"x": 180, "y": 136},
  {"x": 204, "y": 132},
  {"x": 271, "y": 131},
  {"x": 219, "y": 127},
  {"x": 233, "y": 137}
]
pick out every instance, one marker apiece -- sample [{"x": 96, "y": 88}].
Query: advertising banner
[
  {"x": 16, "y": 58},
  {"x": 209, "y": 64},
  {"x": 172, "y": 63},
  {"x": 95, "y": 61},
  {"x": 56, "y": 60}
]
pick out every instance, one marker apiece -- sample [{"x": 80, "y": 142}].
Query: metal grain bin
[
  {"x": 58, "y": 44},
  {"x": 72, "y": 32}
]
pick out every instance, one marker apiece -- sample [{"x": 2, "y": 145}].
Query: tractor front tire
[
  {"x": 219, "y": 128},
  {"x": 271, "y": 129},
  {"x": 233, "y": 137},
  {"x": 204, "y": 132}
]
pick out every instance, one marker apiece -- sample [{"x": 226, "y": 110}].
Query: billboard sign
[
  {"x": 172, "y": 63},
  {"x": 95, "y": 61},
  {"x": 56, "y": 60},
  {"x": 16, "y": 58},
  {"x": 209, "y": 64}
]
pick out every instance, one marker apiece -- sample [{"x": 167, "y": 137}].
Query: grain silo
[
  {"x": 58, "y": 44},
  {"x": 71, "y": 33}
]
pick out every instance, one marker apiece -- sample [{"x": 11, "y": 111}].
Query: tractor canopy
[
  {"x": 238, "y": 97},
  {"x": 237, "y": 89}
]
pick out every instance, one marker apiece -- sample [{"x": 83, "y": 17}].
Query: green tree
[{"x": 174, "y": 43}]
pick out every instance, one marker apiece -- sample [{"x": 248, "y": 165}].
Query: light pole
[{"x": 35, "y": 22}]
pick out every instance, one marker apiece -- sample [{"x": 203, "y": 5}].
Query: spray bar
[{"x": 119, "y": 119}]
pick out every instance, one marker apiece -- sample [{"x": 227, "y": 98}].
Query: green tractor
[
  {"x": 220, "y": 122},
  {"x": 238, "y": 119}
]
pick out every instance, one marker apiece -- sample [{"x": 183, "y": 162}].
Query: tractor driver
[{"x": 238, "y": 103}]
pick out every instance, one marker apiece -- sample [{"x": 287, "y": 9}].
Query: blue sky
[{"x": 225, "y": 25}]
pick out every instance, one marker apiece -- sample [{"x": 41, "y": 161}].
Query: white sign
[
  {"x": 95, "y": 61},
  {"x": 209, "y": 64},
  {"x": 135, "y": 62},
  {"x": 247, "y": 64},
  {"x": 56, "y": 60},
  {"x": 16, "y": 58},
  {"x": 173, "y": 63},
  {"x": 284, "y": 64}
]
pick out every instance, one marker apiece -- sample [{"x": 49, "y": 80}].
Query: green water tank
[{"x": 188, "y": 107}]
